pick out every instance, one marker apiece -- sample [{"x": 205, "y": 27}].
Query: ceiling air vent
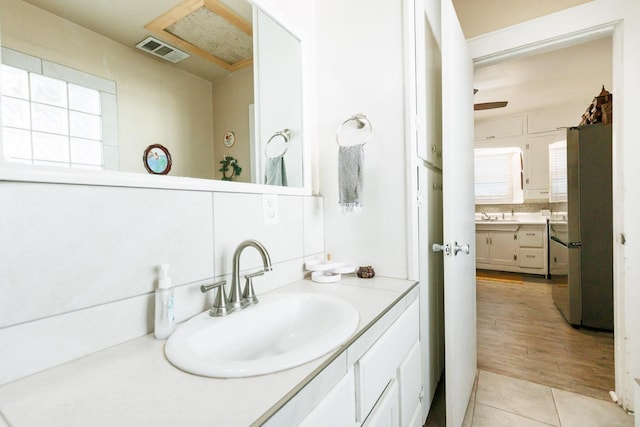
[{"x": 161, "y": 49}]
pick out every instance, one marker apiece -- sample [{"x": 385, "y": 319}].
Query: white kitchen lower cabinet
[
  {"x": 385, "y": 412},
  {"x": 518, "y": 248},
  {"x": 496, "y": 245}
]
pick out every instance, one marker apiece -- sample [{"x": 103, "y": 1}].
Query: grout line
[{"x": 555, "y": 404}]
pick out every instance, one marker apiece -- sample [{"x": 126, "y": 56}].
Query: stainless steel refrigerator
[{"x": 584, "y": 294}]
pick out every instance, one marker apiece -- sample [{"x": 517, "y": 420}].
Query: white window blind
[
  {"x": 498, "y": 175},
  {"x": 558, "y": 171}
]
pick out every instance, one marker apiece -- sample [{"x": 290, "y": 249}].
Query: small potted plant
[{"x": 230, "y": 168}]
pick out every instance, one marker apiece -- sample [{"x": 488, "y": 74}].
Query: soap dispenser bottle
[{"x": 164, "y": 318}]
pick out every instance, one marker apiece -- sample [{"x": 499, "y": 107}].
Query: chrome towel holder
[
  {"x": 274, "y": 149},
  {"x": 360, "y": 121}
]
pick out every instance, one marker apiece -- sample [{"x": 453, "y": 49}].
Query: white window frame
[
  {"x": 502, "y": 181},
  {"x": 107, "y": 89}
]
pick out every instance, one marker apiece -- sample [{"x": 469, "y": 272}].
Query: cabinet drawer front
[
  {"x": 378, "y": 366},
  {"x": 530, "y": 237},
  {"x": 531, "y": 258}
]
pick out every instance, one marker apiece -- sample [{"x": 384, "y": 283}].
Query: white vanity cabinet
[
  {"x": 383, "y": 387},
  {"x": 518, "y": 248},
  {"x": 337, "y": 408},
  {"x": 380, "y": 365}
]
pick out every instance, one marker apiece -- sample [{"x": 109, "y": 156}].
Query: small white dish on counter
[{"x": 325, "y": 277}]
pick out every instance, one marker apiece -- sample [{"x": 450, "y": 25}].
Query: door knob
[
  {"x": 457, "y": 248},
  {"x": 446, "y": 248}
]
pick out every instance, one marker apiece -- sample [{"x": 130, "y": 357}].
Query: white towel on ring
[{"x": 350, "y": 179}]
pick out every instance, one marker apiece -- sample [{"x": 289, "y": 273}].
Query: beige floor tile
[
  {"x": 486, "y": 416},
  {"x": 519, "y": 397},
  {"x": 576, "y": 410}
]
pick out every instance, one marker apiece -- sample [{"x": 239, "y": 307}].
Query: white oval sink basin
[{"x": 282, "y": 331}]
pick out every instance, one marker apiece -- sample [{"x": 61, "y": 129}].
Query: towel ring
[
  {"x": 273, "y": 149},
  {"x": 361, "y": 121}
]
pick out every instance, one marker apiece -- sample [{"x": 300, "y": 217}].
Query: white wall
[
  {"x": 360, "y": 69},
  {"x": 233, "y": 116},
  {"x": 626, "y": 198},
  {"x": 79, "y": 263}
]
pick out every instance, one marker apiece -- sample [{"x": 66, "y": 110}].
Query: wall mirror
[{"x": 88, "y": 85}]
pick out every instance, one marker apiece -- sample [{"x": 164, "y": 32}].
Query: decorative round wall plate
[
  {"x": 157, "y": 159},
  {"x": 229, "y": 139}
]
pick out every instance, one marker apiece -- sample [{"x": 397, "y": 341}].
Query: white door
[{"x": 458, "y": 213}]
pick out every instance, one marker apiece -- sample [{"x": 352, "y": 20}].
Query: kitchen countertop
[
  {"x": 518, "y": 218},
  {"x": 133, "y": 384}
]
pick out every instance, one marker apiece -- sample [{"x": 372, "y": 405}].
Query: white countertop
[
  {"x": 132, "y": 384},
  {"x": 517, "y": 218}
]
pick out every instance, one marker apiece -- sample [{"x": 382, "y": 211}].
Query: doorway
[{"x": 521, "y": 333}]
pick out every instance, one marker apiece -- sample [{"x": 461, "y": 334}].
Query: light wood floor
[{"x": 522, "y": 334}]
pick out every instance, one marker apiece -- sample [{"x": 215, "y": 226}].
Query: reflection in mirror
[{"x": 78, "y": 93}]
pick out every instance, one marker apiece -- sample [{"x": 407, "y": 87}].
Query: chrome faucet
[
  {"x": 485, "y": 216},
  {"x": 236, "y": 300}
]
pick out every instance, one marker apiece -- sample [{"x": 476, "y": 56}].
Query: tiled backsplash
[
  {"x": 79, "y": 263},
  {"x": 524, "y": 207}
]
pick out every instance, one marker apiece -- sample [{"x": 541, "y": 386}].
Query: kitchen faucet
[{"x": 238, "y": 300}]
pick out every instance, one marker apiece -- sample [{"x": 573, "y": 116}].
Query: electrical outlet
[{"x": 270, "y": 208}]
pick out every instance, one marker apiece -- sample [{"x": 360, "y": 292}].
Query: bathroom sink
[
  {"x": 282, "y": 331},
  {"x": 497, "y": 221}
]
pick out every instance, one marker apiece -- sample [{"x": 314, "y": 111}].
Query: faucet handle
[
  {"x": 248, "y": 295},
  {"x": 219, "y": 307}
]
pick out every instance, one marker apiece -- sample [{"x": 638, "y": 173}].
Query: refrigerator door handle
[{"x": 566, "y": 245}]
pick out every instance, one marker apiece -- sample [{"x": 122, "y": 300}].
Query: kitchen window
[
  {"x": 558, "y": 171},
  {"x": 498, "y": 175},
  {"x": 53, "y": 115}
]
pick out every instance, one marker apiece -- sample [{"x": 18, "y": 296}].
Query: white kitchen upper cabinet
[
  {"x": 503, "y": 127},
  {"x": 555, "y": 118},
  {"x": 536, "y": 171}
]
